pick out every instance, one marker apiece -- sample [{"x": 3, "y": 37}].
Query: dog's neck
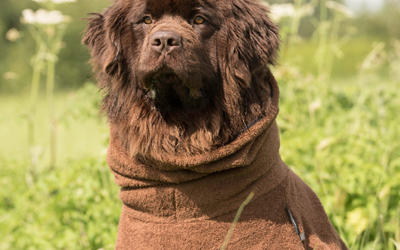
[{"x": 206, "y": 185}]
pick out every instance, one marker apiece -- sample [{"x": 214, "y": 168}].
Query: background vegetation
[{"x": 339, "y": 76}]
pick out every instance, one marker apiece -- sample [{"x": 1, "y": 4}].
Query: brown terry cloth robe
[{"x": 190, "y": 203}]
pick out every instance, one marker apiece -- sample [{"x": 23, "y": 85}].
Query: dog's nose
[{"x": 165, "y": 41}]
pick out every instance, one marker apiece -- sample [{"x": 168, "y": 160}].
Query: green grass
[
  {"x": 76, "y": 137},
  {"x": 74, "y": 206},
  {"x": 340, "y": 135},
  {"x": 341, "y": 138},
  {"x": 303, "y": 54}
]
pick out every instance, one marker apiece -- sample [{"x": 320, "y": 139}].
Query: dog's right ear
[
  {"x": 94, "y": 37},
  {"x": 103, "y": 37}
]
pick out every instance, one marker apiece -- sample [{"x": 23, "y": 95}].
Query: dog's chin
[{"x": 169, "y": 93}]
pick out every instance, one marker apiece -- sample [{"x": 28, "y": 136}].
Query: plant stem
[
  {"x": 236, "y": 220},
  {"x": 294, "y": 27},
  {"x": 50, "y": 104},
  {"x": 31, "y": 116},
  {"x": 33, "y": 97},
  {"x": 333, "y": 41}
]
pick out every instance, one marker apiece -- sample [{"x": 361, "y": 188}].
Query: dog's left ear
[
  {"x": 253, "y": 37},
  {"x": 103, "y": 37},
  {"x": 249, "y": 41},
  {"x": 264, "y": 34}
]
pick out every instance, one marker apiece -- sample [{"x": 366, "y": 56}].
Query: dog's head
[{"x": 182, "y": 76}]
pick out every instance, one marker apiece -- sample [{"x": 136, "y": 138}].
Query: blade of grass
[{"x": 235, "y": 221}]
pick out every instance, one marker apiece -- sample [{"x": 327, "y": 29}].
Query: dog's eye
[
  {"x": 199, "y": 20},
  {"x": 148, "y": 20}
]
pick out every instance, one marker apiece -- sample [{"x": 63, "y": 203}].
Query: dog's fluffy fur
[
  {"x": 195, "y": 98},
  {"x": 192, "y": 105}
]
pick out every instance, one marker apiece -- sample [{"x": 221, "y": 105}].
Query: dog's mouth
[
  {"x": 169, "y": 92},
  {"x": 160, "y": 82}
]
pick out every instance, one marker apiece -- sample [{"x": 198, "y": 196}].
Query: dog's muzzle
[{"x": 165, "y": 41}]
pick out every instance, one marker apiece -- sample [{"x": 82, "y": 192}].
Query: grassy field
[
  {"x": 341, "y": 138},
  {"x": 75, "y": 205},
  {"x": 339, "y": 122},
  {"x": 76, "y": 137}
]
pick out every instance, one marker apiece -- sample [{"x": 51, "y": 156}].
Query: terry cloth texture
[{"x": 190, "y": 203}]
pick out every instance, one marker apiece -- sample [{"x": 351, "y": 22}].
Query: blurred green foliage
[
  {"x": 342, "y": 140},
  {"x": 339, "y": 131},
  {"x": 72, "y": 68}
]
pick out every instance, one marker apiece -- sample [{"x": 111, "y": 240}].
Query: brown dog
[{"x": 192, "y": 105}]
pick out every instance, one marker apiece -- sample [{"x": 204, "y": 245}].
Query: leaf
[
  {"x": 397, "y": 244},
  {"x": 357, "y": 220}
]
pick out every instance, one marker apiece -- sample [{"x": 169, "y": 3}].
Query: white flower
[
  {"x": 55, "y": 1},
  {"x": 13, "y": 34},
  {"x": 49, "y": 17},
  {"x": 279, "y": 11},
  {"x": 28, "y": 16},
  {"x": 306, "y": 10},
  {"x": 42, "y": 16},
  {"x": 340, "y": 8},
  {"x": 9, "y": 75}
]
